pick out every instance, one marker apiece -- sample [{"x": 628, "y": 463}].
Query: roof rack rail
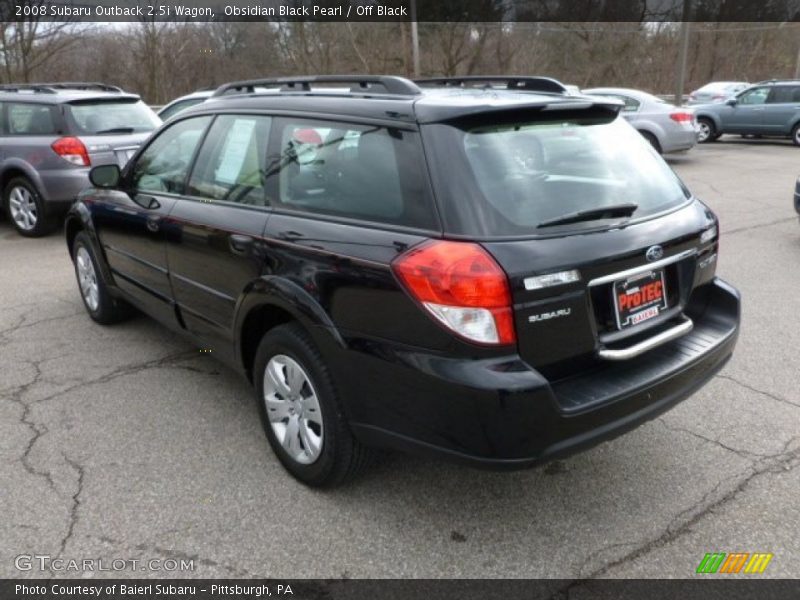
[
  {"x": 774, "y": 81},
  {"x": 359, "y": 84},
  {"x": 52, "y": 88},
  {"x": 521, "y": 83}
]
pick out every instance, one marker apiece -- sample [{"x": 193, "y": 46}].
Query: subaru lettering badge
[{"x": 654, "y": 253}]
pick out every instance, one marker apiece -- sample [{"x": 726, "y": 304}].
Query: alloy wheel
[
  {"x": 704, "y": 131},
  {"x": 293, "y": 409},
  {"x": 87, "y": 279},
  {"x": 23, "y": 209}
]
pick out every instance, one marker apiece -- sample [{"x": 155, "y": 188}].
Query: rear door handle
[{"x": 240, "y": 244}]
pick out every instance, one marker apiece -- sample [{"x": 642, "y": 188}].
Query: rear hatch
[
  {"x": 600, "y": 240},
  {"x": 580, "y": 296},
  {"x": 112, "y": 128}
]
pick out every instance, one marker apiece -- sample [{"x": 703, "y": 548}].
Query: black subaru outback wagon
[{"x": 499, "y": 276}]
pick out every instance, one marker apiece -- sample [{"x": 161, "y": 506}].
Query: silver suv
[{"x": 51, "y": 134}]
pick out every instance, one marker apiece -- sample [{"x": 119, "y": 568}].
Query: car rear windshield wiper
[
  {"x": 590, "y": 214},
  {"x": 116, "y": 130}
]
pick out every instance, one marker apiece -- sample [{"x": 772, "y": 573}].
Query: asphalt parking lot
[{"x": 126, "y": 442}]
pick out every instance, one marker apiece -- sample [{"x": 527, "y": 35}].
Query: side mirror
[
  {"x": 105, "y": 176},
  {"x": 731, "y": 102}
]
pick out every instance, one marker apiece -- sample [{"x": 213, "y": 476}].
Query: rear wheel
[
  {"x": 25, "y": 208},
  {"x": 796, "y": 135},
  {"x": 707, "y": 132},
  {"x": 301, "y": 412},
  {"x": 99, "y": 303},
  {"x": 652, "y": 139}
]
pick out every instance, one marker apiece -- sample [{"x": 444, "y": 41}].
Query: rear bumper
[
  {"x": 679, "y": 139},
  {"x": 61, "y": 187},
  {"x": 501, "y": 413}
]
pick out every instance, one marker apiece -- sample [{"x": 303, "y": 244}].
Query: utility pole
[
  {"x": 684, "y": 51},
  {"x": 414, "y": 38}
]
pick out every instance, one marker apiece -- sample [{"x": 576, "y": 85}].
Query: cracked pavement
[{"x": 127, "y": 442}]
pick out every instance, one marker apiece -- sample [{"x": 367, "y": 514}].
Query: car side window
[
  {"x": 30, "y": 119},
  {"x": 164, "y": 164},
  {"x": 756, "y": 96},
  {"x": 631, "y": 105},
  {"x": 784, "y": 94},
  {"x": 231, "y": 163},
  {"x": 358, "y": 171}
]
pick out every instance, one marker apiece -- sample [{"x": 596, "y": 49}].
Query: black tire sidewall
[
  {"x": 652, "y": 140},
  {"x": 44, "y": 221},
  {"x": 294, "y": 342},
  {"x": 107, "y": 311},
  {"x": 795, "y": 131}
]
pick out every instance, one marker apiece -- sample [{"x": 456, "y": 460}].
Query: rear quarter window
[
  {"x": 356, "y": 171},
  {"x": 30, "y": 119}
]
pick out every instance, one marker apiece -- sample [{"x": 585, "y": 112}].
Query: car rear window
[
  {"x": 509, "y": 179},
  {"x": 99, "y": 117},
  {"x": 362, "y": 172}
]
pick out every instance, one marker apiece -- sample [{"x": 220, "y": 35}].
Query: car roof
[
  {"x": 401, "y": 100},
  {"x": 639, "y": 94},
  {"x": 61, "y": 92}
]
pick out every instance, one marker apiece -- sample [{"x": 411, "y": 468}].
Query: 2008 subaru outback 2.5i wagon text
[{"x": 499, "y": 276}]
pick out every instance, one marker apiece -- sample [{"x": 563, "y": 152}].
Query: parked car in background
[
  {"x": 716, "y": 91},
  {"x": 184, "y": 102},
  {"x": 52, "y": 134},
  {"x": 797, "y": 196},
  {"x": 494, "y": 276},
  {"x": 770, "y": 108},
  {"x": 667, "y": 128}
]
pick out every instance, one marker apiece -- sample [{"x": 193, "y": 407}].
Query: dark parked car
[
  {"x": 498, "y": 277},
  {"x": 770, "y": 108},
  {"x": 51, "y": 134}
]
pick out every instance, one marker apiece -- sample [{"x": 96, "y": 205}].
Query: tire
[
  {"x": 100, "y": 304},
  {"x": 653, "y": 140},
  {"x": 26, "y": 208},
  {"x": 330, "y": 455},
  {"x": 707, "y": 131},
  {"x": 796, "y": 135}
]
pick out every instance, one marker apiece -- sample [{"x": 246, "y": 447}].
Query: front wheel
[
  {"x": 301, "y": 412},
  {"x": 100, "y": 304},
  {"x": 707, "y": 132}
]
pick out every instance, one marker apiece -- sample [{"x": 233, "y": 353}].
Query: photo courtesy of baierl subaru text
[{"x": 399, "y": 299}]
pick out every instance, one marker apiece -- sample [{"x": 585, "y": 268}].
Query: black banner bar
[
  {"x": 704, "y": 588},
  {"x": 468, "y": 11}
]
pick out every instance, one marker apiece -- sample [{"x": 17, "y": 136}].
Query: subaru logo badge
[{"x": 654, "y": 253}]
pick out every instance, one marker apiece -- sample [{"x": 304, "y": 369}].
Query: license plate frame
[{"x": 639, "y": 298}]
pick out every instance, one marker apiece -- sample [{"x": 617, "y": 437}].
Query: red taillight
[
  {"x": 72, "y": 150},
  {"x": 681, "y": 117},
  {"x": 461, "y": 285}
]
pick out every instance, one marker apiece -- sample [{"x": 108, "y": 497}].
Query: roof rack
[
  {"x": 522, "y": 83},
  {"x": 775, "y": 81},
  {"x": 52, "y": 88},
  {"x": 372, "y": 84}
]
